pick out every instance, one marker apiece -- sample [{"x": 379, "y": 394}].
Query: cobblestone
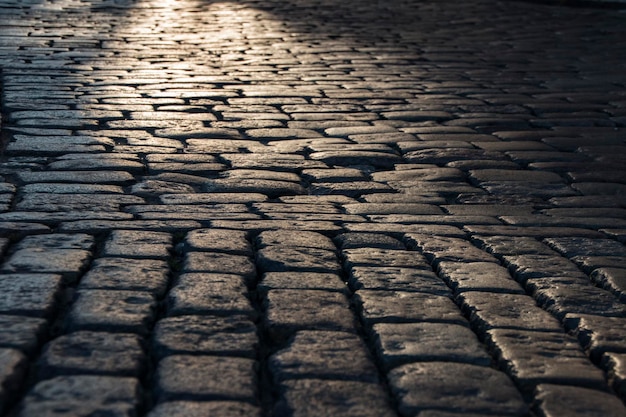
[{"x": 309, "y": 208}]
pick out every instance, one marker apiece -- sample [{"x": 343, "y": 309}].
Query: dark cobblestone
[{"x": 303, "y": 208}]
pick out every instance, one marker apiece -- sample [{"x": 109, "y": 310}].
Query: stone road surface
[{"x": 312, "y": 208}]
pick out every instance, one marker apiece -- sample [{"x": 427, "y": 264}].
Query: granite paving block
[
  {"x": 219, "y": 263},
  {"x": 400, "y": 343},
  {"x": 34, "y": 295},
  {"x": 396, "y": 279},
  {"x": 384, "y": 257},
  {"x": 532, "y": 358},
  {"x": 150, "y": 275},
  {"x": 327, "y": 355},
  {"x": 209, "y": 294},
  {"x": 406, "y": 307},
  {"x": 184, "y": 377},
  {"x": 507, "y": 311},
  {"x": 286, "y": 237},
  {"x": 87, "y": 352},
  {"x": 292, "y": 310},
  {"x": 233, "y": 335},
  {"x": 222, "y": 240},
  {"x": 138, "y": 244},
  {"x": 13, "y": 371},
  {"x": 82, "y": 395},
  {"x": 560, "y": 400},
  {"x": 314, "y": 397},
  {"x": 301, "y": 280},
  {"x": 597, "y": 334},
  {"x": 281, "y": 258},
  {"x": 478, "y": 276},
  {"x": 444, "y": 386},
  {"x": 22, "y": 333},
  {"x": 114, "y": 311},
  {"x": 615, "y": 366},
  {"x": 611, "y": 279},
  {"x": 204, "y": 408}
]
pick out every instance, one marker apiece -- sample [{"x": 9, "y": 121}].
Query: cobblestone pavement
[{"x": 312, "y": 208}]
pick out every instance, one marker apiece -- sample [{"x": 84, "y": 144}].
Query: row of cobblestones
[{"x": 310, "y": 208}]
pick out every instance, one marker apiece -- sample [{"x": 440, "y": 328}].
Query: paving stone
[
  {"x": 87, "y": 352},
  {"x": 219, "y": 263},
  {"x": 406, "y": 307},
  {"x": 597, "y": 334},
  {"x": 87, "y": 177},
  {"x": 443, "y": 386},
  {"x": 209, "y": 294},
  {"x": 509, "y": 245},
  {"x": 611, "y": 279},
  {"x": 591, "y": 263},
  {"x": 329, "y": 355},
  {"x": 282, "y": 259},
  {"x": 507, "y": 311},
  {"x": 13, "y": 370},
  {"x": 150, "y": 275},
  {"x": 52, "y": 202},
  {"x": 99, "y": 226},
  {"x": 289, "y": 311},
  {"x": 112, "y": 311},
  {"x": 400, "y": 343},
  {"x": 560, "y": 400},
  {"x": 82, "y": 395},
  {"x": 532, "y": 358},
  {"x": 525, "y": 267},
  {"x": 477, "y": 276},
  {"x": 615, "y": 367},
  {"x": 233, "y": 335},
  {"x": 577, "y": 298},
  {"x": 288, "y": 238},
  {"x": 372, "y": 240},
  {"x": 68, "y": 262},
  {"x": 439, "y": 249},
  {"x": 314, "y": 397},
  {"x": 204, "y": 408},
  {"x": 350, "y": 189},
  {"x": 138, "y": 244},
  {"x": 198, "y": 378},
  {"x": 22, "y": 333},
  {"x": 294, "y": 280},
  {"x": 222, "y": 240},
  {"x": 34, "y": 295},
  {"x": 396, "y": 279},
  {"x": 385, "y": 257}
]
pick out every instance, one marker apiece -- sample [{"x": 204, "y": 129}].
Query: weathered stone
[
  {"x": 533, "y": 358},
  {"x": 29, "y": 294},
  {"x": 560, "y": 400},
  {"x": 315, "y": 397},
  {"x": 329, "y": 355},
  {"x": 300, "y": 239},
  {"x": 219, "y": 263},
  {"x": 385, "y": 257},
  {"x": 222, "y": 240},
  {"x": 87, "y": 352},
  {"x": 400, "y": 343},
  {"x": 282, "y": 258},
  {"x": 183, "y": 377},
  {"x": 291, "y": 310},
  {"x": 209, "y": 294},
  {"x": 598, "y": 334},
  {"x": 112, "y": 311},
  {"x": 406, "y": 307},
  {"x": 440, "y": 248},
  {"x": 21, "y": 333},
  {"x": 301, "y": 280},
  {"x": 205, "y": 408},
  {"x": 138, "y": 244},
  {"x": 233, "y": 335},
  {"x": 150, "y": 275},
  {"x": 478, "y": 276},
  {"x": 611, "y": 279},
  {"x": 396, "y": 279},
  {"x": 13, "y": 369},
  {"x": 444, "y": 386},
  {"x": 508, "y": 311},
  {"x": 82, "y": 395}
]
